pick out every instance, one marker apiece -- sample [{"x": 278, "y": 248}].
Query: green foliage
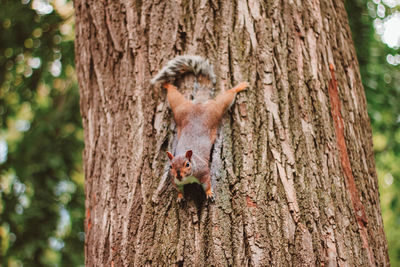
[
  {"x": 41, "y": 182},
  {"x": 382, "y": 87}
]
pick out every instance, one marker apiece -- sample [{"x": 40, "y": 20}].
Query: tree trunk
[{"x": 292, "y": 169}]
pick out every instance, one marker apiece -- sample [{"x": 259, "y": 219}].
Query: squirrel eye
[{"x": 187, "y": 164}]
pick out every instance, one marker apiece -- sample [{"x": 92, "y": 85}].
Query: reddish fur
[
  {"x": 179, "y": 164},
  {"x": 197, "y": 129}
]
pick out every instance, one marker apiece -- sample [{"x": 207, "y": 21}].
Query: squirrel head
[{"x": 181, "y": 165}]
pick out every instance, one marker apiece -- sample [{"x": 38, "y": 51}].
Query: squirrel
[{"x": 197, "y": 122}]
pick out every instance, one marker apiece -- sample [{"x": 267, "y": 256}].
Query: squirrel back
[{"x": 181, "y": 65}]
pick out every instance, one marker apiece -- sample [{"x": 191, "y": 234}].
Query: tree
[{"x": 293, "y": 166}]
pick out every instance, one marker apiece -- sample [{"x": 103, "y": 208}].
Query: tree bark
[{"x": 293, "y": 168}]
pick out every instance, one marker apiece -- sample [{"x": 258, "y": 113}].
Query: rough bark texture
[{"x": 292, "y": 169}]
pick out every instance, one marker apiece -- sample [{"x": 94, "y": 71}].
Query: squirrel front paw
[
  {"x": 180, "y": 198},
  {"x": 210, "y": 195}
]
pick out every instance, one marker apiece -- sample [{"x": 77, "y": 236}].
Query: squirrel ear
[
  {"x": 189, "y": 154},
  {"x": 170, "y": 156}
]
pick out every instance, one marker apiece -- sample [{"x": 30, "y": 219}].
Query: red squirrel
[{"x": 197, "y": 122}]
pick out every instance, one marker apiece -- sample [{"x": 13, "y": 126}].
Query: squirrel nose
[{"x": 178, "y": 173}]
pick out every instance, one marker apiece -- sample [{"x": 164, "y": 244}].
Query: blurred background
[{"x": 41, "y": 137}]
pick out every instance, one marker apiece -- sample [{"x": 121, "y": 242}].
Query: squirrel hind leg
[
  {"x": 175, "y": 98},
  {"x": 240, "y": 87},
  {"x": 225, "y": 99}
]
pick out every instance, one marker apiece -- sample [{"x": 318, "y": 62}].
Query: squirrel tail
[{"x": 180, "y": 65}]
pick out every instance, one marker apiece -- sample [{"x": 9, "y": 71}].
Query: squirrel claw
[
  {"x": 210, "y": 195},
  {"x": 210, "y": 198}
]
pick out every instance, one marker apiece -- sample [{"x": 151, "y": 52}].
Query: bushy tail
[{"x": 181, "y": 65}]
